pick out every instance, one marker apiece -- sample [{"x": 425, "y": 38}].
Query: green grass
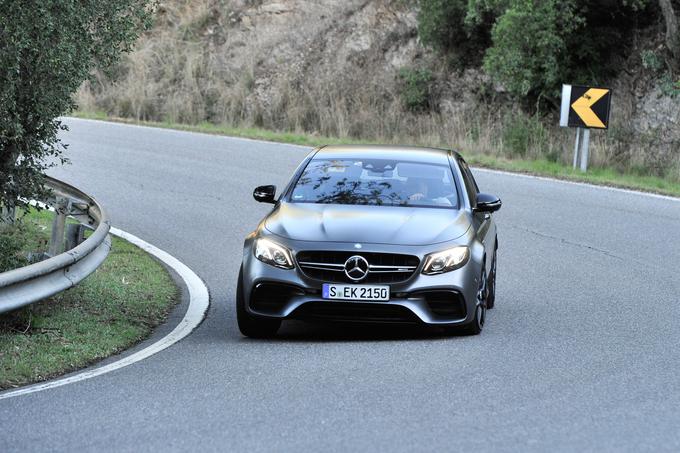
[
  {"x": 36, "y": 226},
  {"x": 209, "y": 128},
  {"x": 111, "y": 310},
  {"x": 599, "y": 176}
]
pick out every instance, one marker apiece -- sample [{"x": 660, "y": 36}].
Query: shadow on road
[{"x": 300, "y": 331}]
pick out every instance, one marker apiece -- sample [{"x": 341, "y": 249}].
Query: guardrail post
[
  {"x": 75, "y": 234},
  {"x": 58, "y": 225}
]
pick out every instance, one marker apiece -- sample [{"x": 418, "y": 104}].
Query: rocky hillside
[{"x": 356, "y": 68}]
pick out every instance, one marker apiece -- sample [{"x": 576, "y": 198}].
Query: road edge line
[
  {"x": 199, "y": 302},
  {"x": 579, "y": 183}
]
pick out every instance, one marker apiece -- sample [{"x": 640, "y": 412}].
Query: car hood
[{"x": 367, "y": 224}]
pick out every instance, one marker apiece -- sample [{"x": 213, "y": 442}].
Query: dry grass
[{"x": 190, "y": 70}]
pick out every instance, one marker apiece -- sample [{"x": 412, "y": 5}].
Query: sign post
[
  {"x": 584, "y": 150},
  {"x": 577, "y": 147},
  {"x": 584, "y": 108}
]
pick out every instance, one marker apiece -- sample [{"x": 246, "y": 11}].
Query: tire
[
  {"x": 477, "y": 325},
  {"x": 250, "y": 325},
  {"x": 491, "y": 298}
]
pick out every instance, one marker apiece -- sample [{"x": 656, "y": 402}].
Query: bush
[
  {"x": 533, "y": 46},
  {"x": 526, "y": 50},
  {"x": 668, "y": 86},
  {"x": 12, "y": 243},
  {"x": 522, "y": 134},
  {"x": 415, "y": 88},
  {"x": 448, "y": 25},
  {"x": 651, "y": 61}
]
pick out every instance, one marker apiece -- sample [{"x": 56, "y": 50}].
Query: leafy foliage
[
  {"x": 527, "y": 46},
  {"x": 415, "y": 88},
  {"x": 48, "y": 48},
  {"x": 12, "y": 242},
  {"x": 651, "y": 61},
  {"x": 536, "y": 45},
  {"x": 669, "y": 86},
  {"x": 450, "y": 25},
  {"x": 522, "y": 133}
]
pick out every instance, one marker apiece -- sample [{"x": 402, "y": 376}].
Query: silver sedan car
[{"x": 372, "y": 234}]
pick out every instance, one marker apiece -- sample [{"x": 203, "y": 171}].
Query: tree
[
  {"x": 529, "y": 47},
  {"x": 672, "y": 33},
  {"x": 536, "y": 45},
  {"x": 47, "y": 49},
  {"x": 455, "y": 26}
]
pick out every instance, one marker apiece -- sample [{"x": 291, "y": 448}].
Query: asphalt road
[{"x": 581, "y": 354}]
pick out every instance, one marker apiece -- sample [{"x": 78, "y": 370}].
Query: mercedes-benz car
[{"x": 372, "y": 234}]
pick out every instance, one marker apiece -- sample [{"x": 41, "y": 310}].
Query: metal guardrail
[{"x": 46, "y": 278}]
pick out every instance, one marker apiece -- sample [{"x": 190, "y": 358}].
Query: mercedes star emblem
[{"x": 356, "y": 268}]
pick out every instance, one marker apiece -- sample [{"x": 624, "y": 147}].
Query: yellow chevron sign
[
  {"x": 583, "y": 107},
  {"x": 586, "y": 107}
]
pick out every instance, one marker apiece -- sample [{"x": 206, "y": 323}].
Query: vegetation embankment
[
  {"x": 111, "y": 310},
  {"x": 481, "y": 76}
]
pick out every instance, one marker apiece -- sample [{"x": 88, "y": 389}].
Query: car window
[
  {"x": 470, "y": 183},
  {"x": 376, "y": 182}
]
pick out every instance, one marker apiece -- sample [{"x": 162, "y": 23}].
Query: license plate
[{"x": 355, "y": 292}]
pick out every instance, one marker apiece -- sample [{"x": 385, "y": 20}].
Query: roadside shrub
[
  {"x": 12, "y": 243},
  {"x": 526, "y": 50},
  {"x": 650, "y": 60},
  {"x": 668, "y": 86},
  {"x": 524, "y": 135},
  {"x": 448, "y": 25},
  {"x": 533, "y": 46},
  {"x": 415, "y": 88}
]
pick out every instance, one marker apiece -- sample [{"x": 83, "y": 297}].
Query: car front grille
[{"x": 384, "y": 268}]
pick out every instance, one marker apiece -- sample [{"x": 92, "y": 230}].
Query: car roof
[{"x": 411, "y": 153}]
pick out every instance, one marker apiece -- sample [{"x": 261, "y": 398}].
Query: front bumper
[{"x": 444, "y": 299}]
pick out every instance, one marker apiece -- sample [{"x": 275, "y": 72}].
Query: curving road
[{"x": 581, "y": 353}]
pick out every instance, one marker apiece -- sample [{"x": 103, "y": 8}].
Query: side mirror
[
  {"x": 487, "y": 203},
  {"x": 265, "y": 194}
]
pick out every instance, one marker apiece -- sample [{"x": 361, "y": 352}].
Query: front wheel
[
  {"x": 475, "y": 327},
  {"x": 491, "y": 298},
  {"x": 250, "y": 325}
]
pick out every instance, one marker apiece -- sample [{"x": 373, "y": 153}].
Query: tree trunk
[
  {"x": 8, "y": 158},
  {"x": 672, "y": 36},
  {"x": 7, "y": 215}
]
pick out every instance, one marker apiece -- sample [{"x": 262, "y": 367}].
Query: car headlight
[
  {"x": 272, "y": 253},
  {"x": 448, "y": 260}
]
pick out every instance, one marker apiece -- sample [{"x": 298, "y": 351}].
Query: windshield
[{"x": 376, "y": 182}]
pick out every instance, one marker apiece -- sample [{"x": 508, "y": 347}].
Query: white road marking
[
  {"x": 180, "y": 131},
  {"x": 199, "y": 301},
  {"x": 579, "y": 183}
]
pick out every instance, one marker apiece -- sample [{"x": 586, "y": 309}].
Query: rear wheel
[{"x": 251, "y": 325}]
